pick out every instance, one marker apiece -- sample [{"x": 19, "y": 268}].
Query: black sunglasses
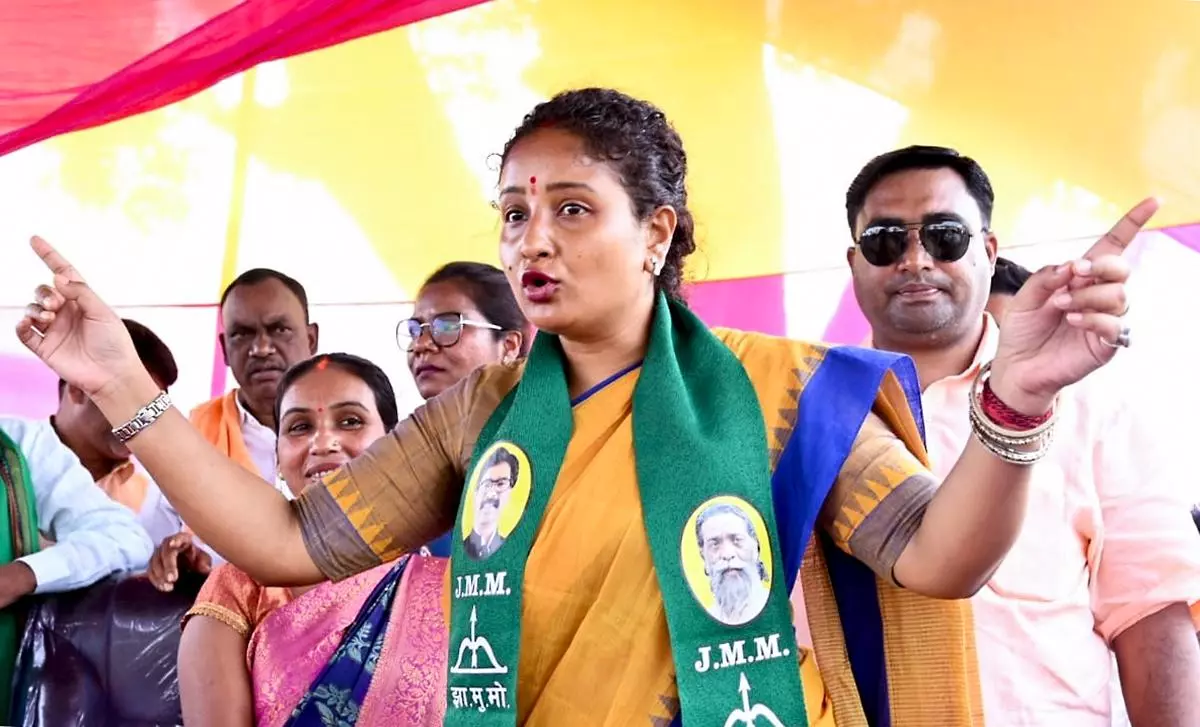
[
  {"x": 445, "y": 330},
  {"x": 945, "y": 241}
]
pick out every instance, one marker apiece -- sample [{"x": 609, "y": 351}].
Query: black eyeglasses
[
  {"x": 944, "y": 240},
  {"x": 445, "y": 330},
  {"x": 502, "y": 483}
]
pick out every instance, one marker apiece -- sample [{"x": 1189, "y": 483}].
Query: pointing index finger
[
  {"x": 1118, "y": 238},
  {"x": 54, "y": 260}
]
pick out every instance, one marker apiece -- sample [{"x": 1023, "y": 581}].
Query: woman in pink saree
[{"x": 370, "y": 649}]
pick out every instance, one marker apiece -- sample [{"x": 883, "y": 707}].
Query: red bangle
[{"x": 1005, "y": 416}]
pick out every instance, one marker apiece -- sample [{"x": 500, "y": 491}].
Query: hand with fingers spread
[
  {"x": 74, "y": 332},
  {"x": 1066, "y": 321},
  {"x": 174, "y": 554}
]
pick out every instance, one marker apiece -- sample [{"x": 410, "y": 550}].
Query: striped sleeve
[{"x": 879, "y": 498}]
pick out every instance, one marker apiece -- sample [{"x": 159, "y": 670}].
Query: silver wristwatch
[{"x": 144, "y": 418}]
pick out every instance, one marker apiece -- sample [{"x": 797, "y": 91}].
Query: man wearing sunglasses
[{"x": 1106, "y": 557}]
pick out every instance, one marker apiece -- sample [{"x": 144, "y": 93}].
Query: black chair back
[{"x": 103, "y": 656}]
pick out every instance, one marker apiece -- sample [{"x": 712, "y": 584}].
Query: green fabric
[
  {"x": 698, "y": 434},
  {"x": 18, "y": 537}
]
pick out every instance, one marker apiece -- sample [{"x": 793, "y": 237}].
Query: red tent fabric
[{"x": 74, "y": 64}]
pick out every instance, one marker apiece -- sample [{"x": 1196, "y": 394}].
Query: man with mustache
[
  {"x": 265, "y": 329},
  {"x": 730, "y": 548},
  {"x": 492, "y": 492},
  {"x": 1107, "y": 557}
]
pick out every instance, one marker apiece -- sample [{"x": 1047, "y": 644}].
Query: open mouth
[
  {"x": 536, "y": 279},
  {"x": 537, "y": 286}
]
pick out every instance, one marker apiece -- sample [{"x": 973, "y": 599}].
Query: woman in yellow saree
[{"x": 641, "y": 495}]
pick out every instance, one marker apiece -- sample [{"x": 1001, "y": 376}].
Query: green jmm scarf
[
  {"x": 18, "y": 537},
  {"x": 705, "y": 486}
]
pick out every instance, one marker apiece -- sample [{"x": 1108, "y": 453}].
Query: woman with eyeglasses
[{"x": 465, "y": 317}]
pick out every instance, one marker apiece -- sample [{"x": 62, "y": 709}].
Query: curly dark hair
[{"x": 635, "y": 138}]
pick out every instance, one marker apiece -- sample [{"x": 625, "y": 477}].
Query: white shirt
[
  {"x": 260, "y": 443},
  {"x": 93, "y": 535},
  {"x": 1107, "y": 541},
  {"x": 161, "y": 520}
]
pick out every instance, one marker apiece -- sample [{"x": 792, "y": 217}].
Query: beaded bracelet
[{"x": 1004, "y": 415}]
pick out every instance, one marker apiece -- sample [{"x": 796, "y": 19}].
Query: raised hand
[
  {"x": 1066, "y": 321},
  {"x": 74, "y": 332}
]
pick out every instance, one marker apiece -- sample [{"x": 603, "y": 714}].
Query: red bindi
[
  {"x": 322, "y": 364},
  {"x": 320, "y": 410},
  {"x": 533, "y": 185}
]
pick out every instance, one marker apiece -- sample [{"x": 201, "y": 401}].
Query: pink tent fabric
[{"x": 74, "y": 64}]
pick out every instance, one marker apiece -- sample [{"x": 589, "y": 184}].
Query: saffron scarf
[
  {"x": 220, "y": 423},
  {"x": 18, "y": 537},
  {"x": 705, "y": 484}
]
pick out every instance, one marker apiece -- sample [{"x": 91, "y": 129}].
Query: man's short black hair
[
  {"x": 503, "y": 456},
  {"x": 920, "y": 157},
  {"x": 1009, "y": 277},
  {"x": 254, "y": 276},
  {"x": 155, "y": 355}
]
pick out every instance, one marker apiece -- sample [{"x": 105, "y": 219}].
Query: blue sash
[{"x": 832, "y": 407}]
